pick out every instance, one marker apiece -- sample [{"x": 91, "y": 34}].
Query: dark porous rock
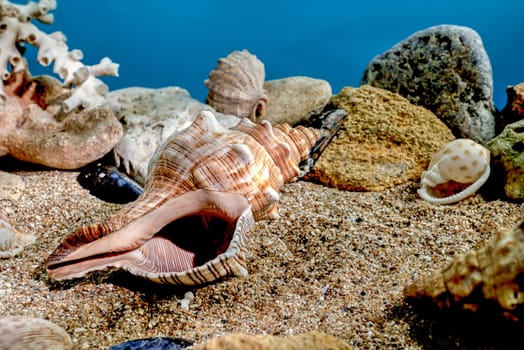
[
  {"x": 445, "y": 69},
  {"x": 514, "y": 110},
  {"x": 384, "y": 141},
  {"x": 507, "y": 157}
]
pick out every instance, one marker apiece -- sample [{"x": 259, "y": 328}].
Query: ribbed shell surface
[
  {"x": 251, "y": 161},
  {"x": 236, "y": 86}
]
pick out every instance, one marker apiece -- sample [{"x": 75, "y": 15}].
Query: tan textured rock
[
  {"x": 293, "y": 99},
  {"x": 384, "y": 141},
  {"x": 35, "y": 128},
  {"x": 239, "y": 341}
]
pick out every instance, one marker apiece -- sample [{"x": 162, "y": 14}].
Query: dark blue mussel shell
[
  {"x": 158, "y": 343},
  {"x": 109, "y": 184}
]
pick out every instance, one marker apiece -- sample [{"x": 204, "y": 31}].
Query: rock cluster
[
  {"x": 384, "y": 141},
  {"x": 446, "y": 70}
]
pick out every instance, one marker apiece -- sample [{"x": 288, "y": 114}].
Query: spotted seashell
[
  {"x": 11, "y": 240},
  {"x": 492, "y": 273},
  {"x": 461, "y": 165},
  {"x": 236, "y": 86},
  {"x": 22, "y": 333},
  {"x": 207, "y": 186}
]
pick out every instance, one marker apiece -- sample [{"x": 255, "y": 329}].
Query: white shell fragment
[
  {"x": 22, "y": 333},
  {"x": 11, "y": 241},
  {"x": 461, "y": 164}
]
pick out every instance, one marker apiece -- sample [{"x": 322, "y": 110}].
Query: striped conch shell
[
  {"x": 23, "y": 332},
  {"x": 236, "y": 86},
  {"x": 11, "y": 240},
  {"x": 492, "y": 273},
  {"x": 207, "y": 186},
  {"x": 455, "y": 172}
]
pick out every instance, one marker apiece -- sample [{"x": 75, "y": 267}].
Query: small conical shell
[
  {"x": 11, "y": 240},
  {"x": 493, "y": 271},
  {"x": 236, "y": 86},
  {"x": 22, "y": 333}
]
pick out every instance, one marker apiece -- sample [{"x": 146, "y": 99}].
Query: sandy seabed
[{"x": 335, "y": 262}]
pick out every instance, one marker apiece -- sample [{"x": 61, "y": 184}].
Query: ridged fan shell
[
  {"x": 236, "y": 86},
  {"x": 22, "y": 333},
  {"x": 494, "y": 271},
  {"x": 221, "y": 179}
]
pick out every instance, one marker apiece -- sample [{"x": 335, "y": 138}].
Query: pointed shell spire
[
  {"x": 491, "y": 273},
  {"x": 236, "y": 86}
]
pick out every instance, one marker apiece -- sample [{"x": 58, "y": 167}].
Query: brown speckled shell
[
  {"x": 493, "y": 271},
  {"x": 236, "y": 86},
  {"x": 250, "y": 161},
  {"x": 22, "y": 332}
]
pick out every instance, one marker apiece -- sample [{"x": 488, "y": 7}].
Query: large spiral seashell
[
  {"x": 236, "y": 86},
  {"x": 462, "y": 164},
  {"x": 23, "y": 332},
  {"x": 207, "y": 186},
  {"x": 493, "y": 273}
]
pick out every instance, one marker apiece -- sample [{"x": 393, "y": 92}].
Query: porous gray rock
[{"x": 445, "y": 69}]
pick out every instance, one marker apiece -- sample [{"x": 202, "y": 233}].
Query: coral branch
[{"x": 16, "y": 28}]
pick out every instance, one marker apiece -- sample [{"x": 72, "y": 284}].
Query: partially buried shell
[
  {"x": 490, "y": 274},
  {"x": 236, "y": 86},
  {"x": 207, "y": 186},
  {"x": 22, "y": 333},
  {"x": 11, "y": 240}
]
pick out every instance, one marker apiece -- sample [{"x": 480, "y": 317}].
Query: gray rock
[
  {"x": 294, "y": 99},
  {"x": 445, "y": 69}
]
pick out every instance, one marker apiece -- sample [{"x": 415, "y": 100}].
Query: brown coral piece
[
  {"x": 514, "y": 109},
  {"x": 490, "y": 274},
  {"x": 35, "y": 130},
  {"x": 239, "y": 341},
  {"x": 236, "y": 86}
]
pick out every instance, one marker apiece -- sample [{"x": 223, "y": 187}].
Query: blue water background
[{"x": 176, "y": 43}]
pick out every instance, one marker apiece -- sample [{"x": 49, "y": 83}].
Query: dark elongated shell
[
  {"x": 492, "y": 273},
  {"x": 109, "y": 184},
  {"x": 207, "y": 186},
  {"x": 236, "y": 86},
  {"x": 158, "y": 343}
]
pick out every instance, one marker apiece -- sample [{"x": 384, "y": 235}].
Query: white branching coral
[{"x": 16, "y": 28}]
